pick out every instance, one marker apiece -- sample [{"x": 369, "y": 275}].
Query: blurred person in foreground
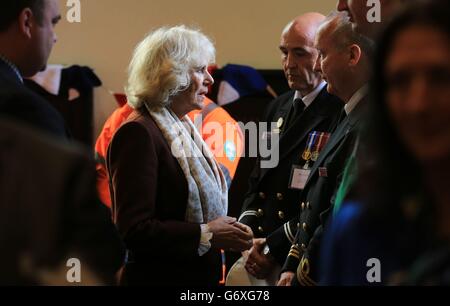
[
  {"x": 400, "y": 216},
  {"x": 359, "y": 12},
  {"x": 49, "y": 213}
]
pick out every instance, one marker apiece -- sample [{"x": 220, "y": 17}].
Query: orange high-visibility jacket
[
  {"x": 226, "y": 145},
  {"x": 222, "y": 134},
  {"x": 101, "y": 147}
]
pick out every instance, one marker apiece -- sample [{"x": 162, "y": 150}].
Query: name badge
[{"x": 299, "y": 176}]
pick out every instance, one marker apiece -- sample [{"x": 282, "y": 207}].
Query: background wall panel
[{"x": 245, "y": 32}]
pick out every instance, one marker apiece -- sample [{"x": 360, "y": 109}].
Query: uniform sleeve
[
  {"x": 134, "y": 167},
  {"x": 281, "y": 240},
  {"x": 293, "y": 259},
  {"x": 307, "y": 270},
  {"x": 249, "y": 214}
]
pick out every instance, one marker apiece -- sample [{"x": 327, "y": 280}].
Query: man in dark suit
[
  {"x": 343, "y": 62},
  {"x": 357, "y": 11},
  {"x": 48, "y": 205},
  {"x": 304, "y": 118},
  {"x": 49, "y": 213},
  {"x": 26, "y": 40}
]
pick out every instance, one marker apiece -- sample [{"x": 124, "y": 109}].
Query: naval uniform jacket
[
  {"x": 315, "y": 203},
  {"x": 270, "y": 202}
]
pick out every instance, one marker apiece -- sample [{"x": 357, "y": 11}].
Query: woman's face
[
  {"x": 418, "y": 94},
  {"x": 193, "y": 97}
]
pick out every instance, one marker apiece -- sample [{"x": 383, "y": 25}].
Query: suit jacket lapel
[
  {"x": 8, "y": 73},
  {"x": 283, "y": 112}
]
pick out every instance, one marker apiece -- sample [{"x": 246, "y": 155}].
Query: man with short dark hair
[
  {"x": 12, "y": 9},
  {"x": 49, "y": 208},
  {"x": 26, "y": 39}
]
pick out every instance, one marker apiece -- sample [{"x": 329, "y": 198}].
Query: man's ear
[
  {"x": 355, "y": 55},
  {"x": 26, "y": 22}
]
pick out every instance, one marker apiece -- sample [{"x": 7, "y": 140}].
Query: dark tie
[
  {"x": 297, "y": 108},
  {"x": 342, "y": 117}
]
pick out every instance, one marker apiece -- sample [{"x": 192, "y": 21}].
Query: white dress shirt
[
  {"x": 356, "y": 98},
  {"x": 309, "y": 98}
]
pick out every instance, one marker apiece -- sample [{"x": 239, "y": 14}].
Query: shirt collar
[
  {"x": 12, "y": 66},
  {"x": 309, "y": 98},
  {"x": 356, "y": 98}
]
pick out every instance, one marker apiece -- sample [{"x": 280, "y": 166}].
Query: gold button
[
  {"x": 298, "y": 225},
  {"x": 262, "y": 195},
  {"x": 303, "y": 247},
  {"x": 280, "y": 122},
  {"x": 303, "y": 205},
  {"x": 260, "y": 229},
  {"x": 260, "y": 213},
  {"x": 305, "y": 227},
  {"x": 280, "y": 196},
  {"x": 308, "y": 205},
  {"x": 281, "y": 215}
]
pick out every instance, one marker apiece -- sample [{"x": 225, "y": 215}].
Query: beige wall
[{"x": 245, "y": 32}]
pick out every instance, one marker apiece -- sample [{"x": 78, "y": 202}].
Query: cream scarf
[{"x": 208, "y": 194}]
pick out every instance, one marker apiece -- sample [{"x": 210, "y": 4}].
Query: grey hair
[
  {"x": 161, "y": 65},
  {"x": 344, "y": 35}
]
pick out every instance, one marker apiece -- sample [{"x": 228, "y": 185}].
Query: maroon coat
[{"x": 150, "y": 195}]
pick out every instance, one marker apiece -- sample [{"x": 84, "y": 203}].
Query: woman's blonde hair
[{"x": 162, "y": 62}]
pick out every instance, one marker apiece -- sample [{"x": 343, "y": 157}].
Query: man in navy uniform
[
  {"x": 304, "y": 118},
  {"x": 358, "y": 11},
  {"x": 344, "y": 62}
]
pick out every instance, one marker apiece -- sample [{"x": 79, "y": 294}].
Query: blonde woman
[{"x": 169, "y": 194}]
